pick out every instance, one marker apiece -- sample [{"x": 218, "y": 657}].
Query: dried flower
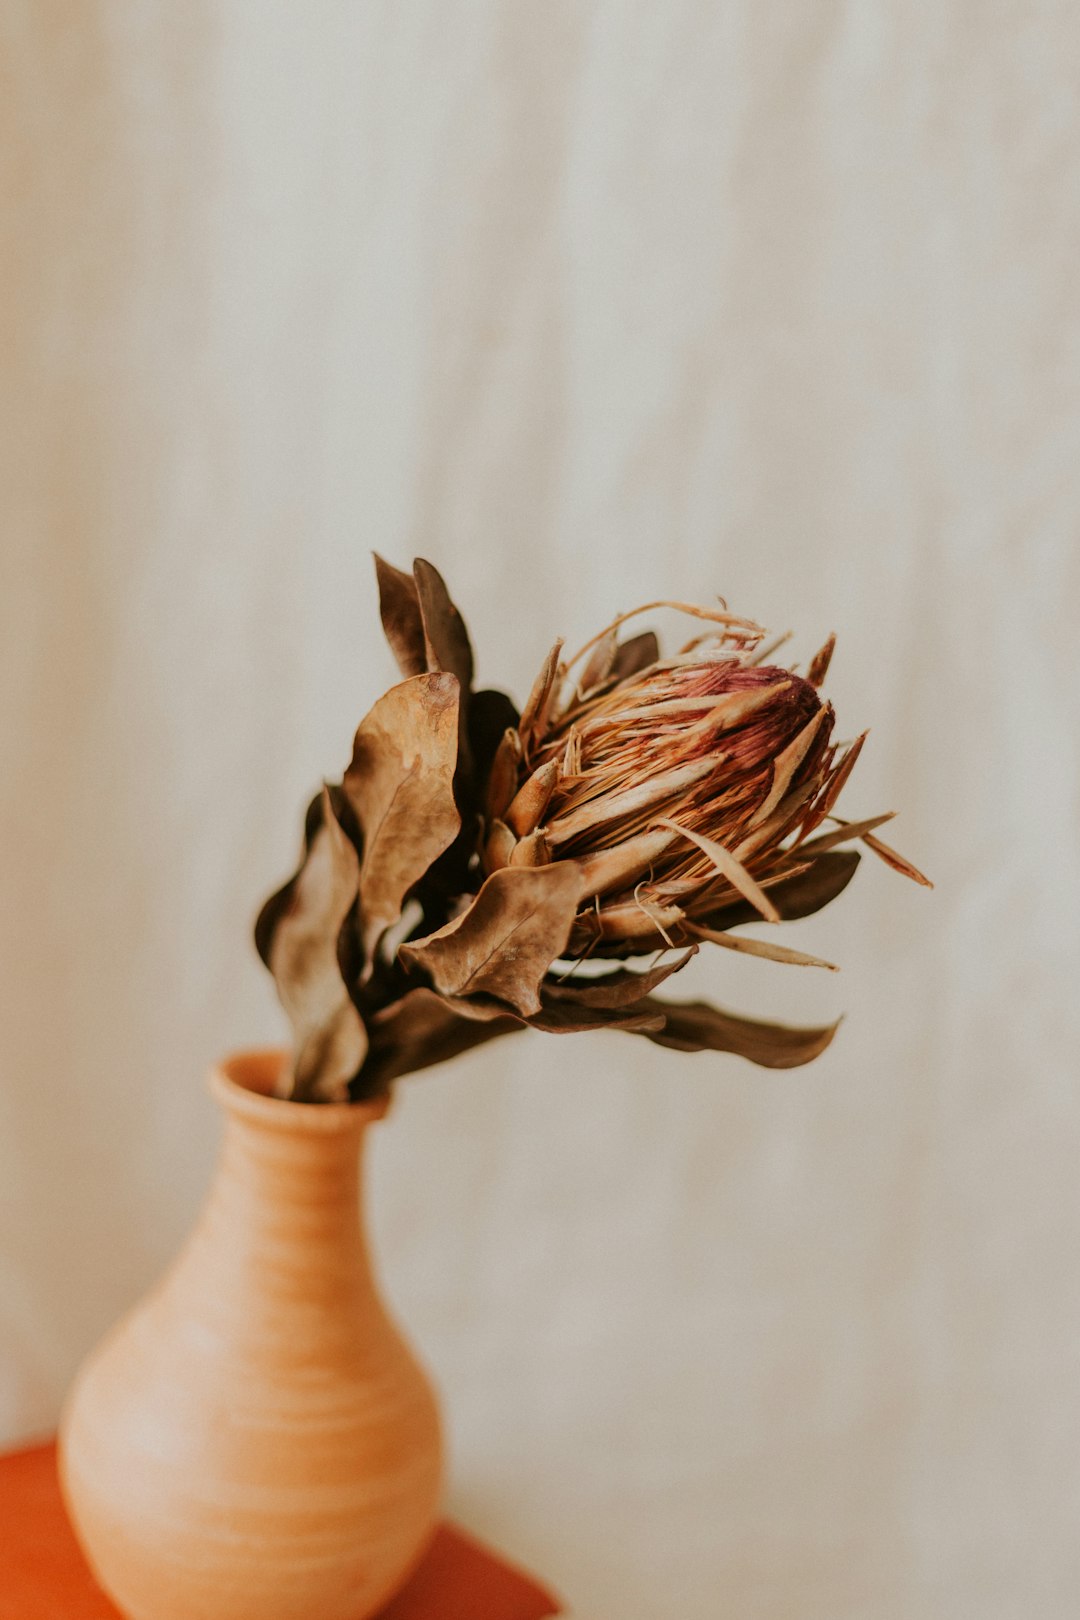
[{"x": 472, "y": 859}]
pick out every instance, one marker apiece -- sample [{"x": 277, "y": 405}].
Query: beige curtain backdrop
[{"x": 589, "y": 303}]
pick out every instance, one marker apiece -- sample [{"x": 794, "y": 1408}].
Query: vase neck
[{"x": 281, "y": 1236}]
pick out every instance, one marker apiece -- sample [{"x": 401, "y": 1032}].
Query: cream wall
[{"x": 589, "y": 303}]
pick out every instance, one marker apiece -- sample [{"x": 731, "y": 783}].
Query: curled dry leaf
[
  {"x": 617, "y": 990},
  {"x": 402, "y": 621},
  {"x": 506, "y": 940},
  {"x": 694, "y": 1026},
  {"x": 400, "y": 787},
  {"x": 330, "y": 1040},
  {"x": 416, "y": 1032}
]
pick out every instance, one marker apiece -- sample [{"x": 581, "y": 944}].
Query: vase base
[{"x": 44, "y": 1571}]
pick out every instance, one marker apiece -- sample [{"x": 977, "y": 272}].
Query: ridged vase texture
[{"x": 255, "y": 1440}]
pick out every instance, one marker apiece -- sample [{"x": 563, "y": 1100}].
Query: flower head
[{"x": 473, "y": 858}]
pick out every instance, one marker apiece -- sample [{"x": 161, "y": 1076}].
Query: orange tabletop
[{"x": 43, "y": 1575}]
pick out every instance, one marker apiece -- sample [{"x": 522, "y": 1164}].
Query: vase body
[{"x": 255, "y": 1441}]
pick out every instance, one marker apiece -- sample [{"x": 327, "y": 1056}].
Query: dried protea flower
[{"x": 472, "y": 860}]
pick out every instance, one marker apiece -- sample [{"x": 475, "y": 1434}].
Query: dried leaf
[
  {"x": 695, "y": 1026},
  {"x": 507, "y": 939},
  {"x": 403, "y": 625},
  {"x": 568, "y": 1018},
  {"x": 446, "y": 638},
  {"x": 400, "y": 787},
  {"x": 613, "y": 990},
  {"x": 280, "y": 901},
  {"x": 633, "y": 656},
  {"x": 415, "y": 1033},
  {"x": 328, "y": 1035},
  {"x": 797, "y": 896}
]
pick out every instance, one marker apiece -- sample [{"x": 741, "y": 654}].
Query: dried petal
[
  {"x": 819, "y": 664},
  {"x": 535, "y": 711},
  {"x": 615, "y": 806},
  {"x": 730, "y": 869},
  {"x": 844, "y": 833},
  {"x": 798, "y": 895},
  {"x": 761, "y": 947},
  {"x": 504, "y": 943},
  {"x": 503, "y": 777},
  {"x": 787, "y": 763},
  {"x": 620, "y": 865},
  {"x": 898, "y": 862},
  {"x": 534, "y": 850},
  {"x": 400, "y": 786},
  {"x": 526, "y": 811},
  {"x": 499, "y": 847}
]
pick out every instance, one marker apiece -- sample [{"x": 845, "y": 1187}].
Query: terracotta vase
[{"x": 254, "y": 1441}]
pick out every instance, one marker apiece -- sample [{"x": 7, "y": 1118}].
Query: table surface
[{"x": 43, "y": 1575}]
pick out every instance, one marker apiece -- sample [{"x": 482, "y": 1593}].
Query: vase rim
[{"x": 243, "y": 1083}]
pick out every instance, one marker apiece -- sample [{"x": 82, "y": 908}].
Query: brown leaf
[
  {"x": 507, "y": 939},
  {"x": 417, "y": 1032},
  {"x": 695, "y": 1026},
  {"x": 445, "y": 635},
  {"x": 400, "y": 787},
  {"x": 568, "y": 1018},
  {"x": 797, "y": 896},
  {"x": 613, "y": 990},
  {"x": 403, "y": 625},
  {"x": 634, "y": 655},
  {"x": 328, "y": 1035},
  {"x": 278, "y": 904},
  {"x": 599, "y": 664}
]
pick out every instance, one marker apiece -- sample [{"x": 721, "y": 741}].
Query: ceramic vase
[{"x": 255, "y": 1441}]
